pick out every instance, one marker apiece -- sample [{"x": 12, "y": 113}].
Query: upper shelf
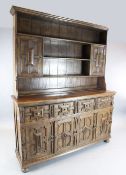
[
  {"x": 65, "y": 58},
  {"x": 61, "y": 39},
  {"x": 41, "y": 24}
]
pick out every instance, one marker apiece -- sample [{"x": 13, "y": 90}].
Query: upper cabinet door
[
  {"x": 98, "y": 59},
  {"x": 29, "y": 56}
]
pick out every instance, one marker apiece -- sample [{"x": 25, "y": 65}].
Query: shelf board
[
  {"x": 59, "y": 76},
  {"x": 64, "y": 39},
  {"x": 70, "y": 58}
]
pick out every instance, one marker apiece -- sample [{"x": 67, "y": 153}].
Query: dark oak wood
[{"x": 60, "y": 99}]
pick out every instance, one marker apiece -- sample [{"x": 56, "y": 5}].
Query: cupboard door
[
  {"x": 64, "y": 135},
  {"x": 85, "y": 129},
  {"x": 29, "y": 61},
  {"x": 98, "y": 55},
  {"x": 37, "y": 140},
  {"x": 102, "y": 124}
]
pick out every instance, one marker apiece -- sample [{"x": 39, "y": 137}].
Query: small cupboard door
[
  {"x": 64, "y": 135},
  {"x": 102, "y": 122},
  {"x": 29, "y": 55},
  {"x": 98, "y": 58},
  {"x": 85, "y": 129},
  {"x": 37, "y": 140}
]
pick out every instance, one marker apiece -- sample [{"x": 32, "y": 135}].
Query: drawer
[
  {"x": 64, "y": 109},
  {"x": 86, "y": 105},
  {"x": 35, "y": 113},
  {"x": 103, "y": 102}
]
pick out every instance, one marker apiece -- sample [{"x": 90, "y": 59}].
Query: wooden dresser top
[{"x": 61, "y": 96}]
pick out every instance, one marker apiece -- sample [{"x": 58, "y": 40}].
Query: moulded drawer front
[
  {"x": 86, "y": 105},
  {"x": 35, "y": 113},
  {"x": 103, "y": 102},
  {"x": 63, "y": 109}
]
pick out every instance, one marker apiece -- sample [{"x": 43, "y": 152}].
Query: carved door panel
[
  {"x": 98, "y": 56},
  {"x": 37, "y": 140},
  {"x": 29, "y": 61},
  {"x": 103, "y": 120},
  {"x": 85, "y": 129},
  {"x": 64, "y": 135}
]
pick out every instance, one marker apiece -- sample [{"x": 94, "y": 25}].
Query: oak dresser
[{"x": 60, "y": 99}]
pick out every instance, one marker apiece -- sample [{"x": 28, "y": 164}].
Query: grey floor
[{"x": 100, "y": 159}]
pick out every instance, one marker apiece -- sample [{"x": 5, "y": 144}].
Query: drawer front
[
  {"x": 86, "y": 105},
  {"x": 64, "y": 109},
  {"x": 35, "y": 113},
  {"x": 104, "y": 102}
]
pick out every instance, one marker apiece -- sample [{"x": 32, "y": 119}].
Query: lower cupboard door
[
  {"x": 103, "y": 124},
  {"x": 37, "y": 140},
  {"x": 85, "y": 129},
  {"x": 64, "y": 135}
]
